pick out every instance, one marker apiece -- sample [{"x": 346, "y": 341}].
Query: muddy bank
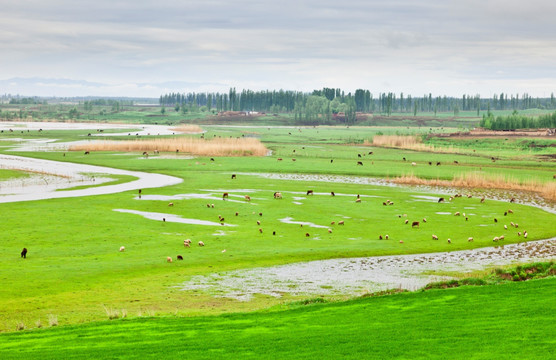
[{"x": 356, "y": 276}]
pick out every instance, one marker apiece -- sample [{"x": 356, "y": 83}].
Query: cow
[
  {"x": 277, "y": 195},
  {"x": 24, "y": 253},
  {"x": 415, "y": 224},
  {"x": 309, "y": 192},
  {"x": 225, "y": 196}
]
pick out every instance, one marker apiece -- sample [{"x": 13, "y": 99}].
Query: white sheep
[{"x": 122, "y": 248}]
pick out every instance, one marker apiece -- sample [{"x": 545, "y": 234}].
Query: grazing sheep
[
  {"x": 225, "y": 196},
  {"x": 407, "y": 221},
  {"x": 358, "y": 155},
  {"x": 341, "y": 222},
  {"x": 430, "y": 162},
  {"x": 87, "y": 153},
  {"x": 505, "y": 213},
  {"x": 449, "y": 241},
  {"x": 145, "y": 154},
  {"x": 261, "y": 214},
  {"x": 211, "y": 159},
  {"x": 279, "y": 159},
  {"x": 357, "y": 200},
  {"x": 330, "y": 231},
  {"x": 274, "y": 233},
  {"x": 179, "y": 257},
  {"x": 122, "y": 248},
  {"x": 512, "y": 200},
  {"x": 170, "y": 204},
  {"x": 384, "y": 203},
  {"x": 519, "y": 233},
  {"x": 293, "y": 159},
  {"x": 332, "y": 223},
  {"x": 415, "y": 224},
  {"x": 233, "y": 176},
  {"x": 441, "y": 200},
  {"x": 483, "y": 199},
  {"x": 212, "y": 206},
  {"x": 438, "y": 163},
  {"x": 404, "y": 159},
  {"x": 413, "y": 164},
  {"x": 434, "y": 237},
  {"x": 332, "y": 193},
  {"x": 495, "y": 220},
  {"x": 516, "y": 225},
  {"x": 260, "y": 230},
  {"x": 525, "y": 234},
  {"x": 505, "y": 227},
  {"x": 456, "y": 162},
  {"x": 169, "y": 259},
  {"x": 331, "y": 161},
  {"x": 401, "y": 241},
  {"x": 258, "y": 222},
  {"x": 386, "y": 237},
  {"x": 457, "y": 213},
  {"x": 309, "y": 192},
  {"x": 470, "y": 239},
  {"x": 501, "y": 237},
  {"x": 510, "y": 211},
  {"x": 163, "y": 219},
  {"x": 379, "y": 237},
  {"x": 237, "y": 213},
  {"x": 360, "y": 163},
  {"x": 424, "y": 220},
  {"x": 466, "y": 218},
  {"x": 496, "y": 238},
  {"x": 247, "y": 198},
  {"x": 201, "y": 243},
  {"x": 208, "y": 206},
  {"x": 277, "y": 195},
  {"x": 307, "y": 234},
  {"x": 24, "y": 253}
]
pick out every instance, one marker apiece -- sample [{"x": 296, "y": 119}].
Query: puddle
[
  {"x": 171, "y": 218},
  {"x": 289, "y": 220},
  {"x": 358, "y": 275}
]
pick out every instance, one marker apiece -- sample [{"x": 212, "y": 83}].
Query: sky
[{"x": 144, "y": 48}]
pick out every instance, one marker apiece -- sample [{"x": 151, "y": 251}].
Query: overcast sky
[{"x": 145, "y": 47}]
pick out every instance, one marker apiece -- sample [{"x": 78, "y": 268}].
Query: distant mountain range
[{"x": 59, "y": 87}]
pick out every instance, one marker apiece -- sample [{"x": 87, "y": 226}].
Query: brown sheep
[
  {"x": 357, "y": 200},
  {"x": 341, "y": 222},
  {"x": 260, "y": 230},
  {"x": 512, "y": 200},
  {"x": 332, "y": 223},
  {"x": 386, "y": 237},
  {"x": 170, "y": 204},
  {"x": 483, "y": 199},
  {"x": 225, "y": 196},
  {"x": 24, "y": 253},
  {"x": 307, "y": 234},
  {"x": 415, "y": 224},
  {"x": 247, "y": 198},
  {"x": 360, "y": 163},
  {"x": 277, "y": 195},
  {"x": 379, "y": 237},
  {"x": 279, "y": 159},
  {"x": 510, "y": 211}
]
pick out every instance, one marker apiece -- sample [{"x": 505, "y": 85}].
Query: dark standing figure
[{"x": 24, "y": 253}]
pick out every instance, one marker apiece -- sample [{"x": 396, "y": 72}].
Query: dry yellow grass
[
  {"x": 475, "y": 180},
  {"x": 408, "y": 142},
  {"x": 188, "y": 129},
  {"x": 201, "y": 147}
]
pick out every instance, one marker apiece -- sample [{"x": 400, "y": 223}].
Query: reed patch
[{"x": 201, "y": 147}]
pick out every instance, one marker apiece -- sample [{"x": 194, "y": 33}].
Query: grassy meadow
[{"x": 75, "y": 274}]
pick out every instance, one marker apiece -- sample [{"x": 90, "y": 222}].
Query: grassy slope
[{"x": 513, "y": 320}]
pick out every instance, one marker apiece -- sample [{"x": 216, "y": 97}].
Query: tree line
[{"x": 296, "y": 102}]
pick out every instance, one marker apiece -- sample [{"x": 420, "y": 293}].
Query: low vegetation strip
[
  {"x": 476, "y": 180},
  {"x": 201, "y": 147},
  {"x": 513, "y": 320}
]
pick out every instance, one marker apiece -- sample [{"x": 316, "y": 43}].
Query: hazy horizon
[{"x": 145, "y": 48}]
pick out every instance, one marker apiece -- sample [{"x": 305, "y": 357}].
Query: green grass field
[
  {"x": 74, "y": 271},
  {"x": 513, "y": 320}
]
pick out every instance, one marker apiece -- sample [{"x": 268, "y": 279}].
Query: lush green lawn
[{"x": 513, "y": 320}]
